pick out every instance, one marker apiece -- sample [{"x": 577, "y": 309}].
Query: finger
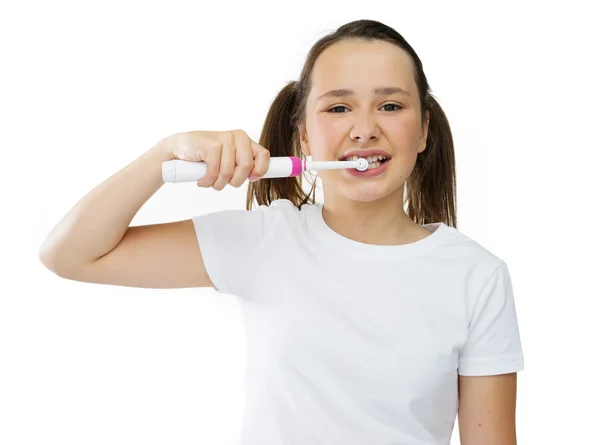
[
  {"x": 261, "y": 162},
  {"x": 256, "y": 148},
  {"x": 212, "y": 158},
  {"x": 227, "y": 165},
  {"x": 244, "y": 160}
]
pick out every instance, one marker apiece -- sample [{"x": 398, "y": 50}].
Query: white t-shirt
[{"x": 351, "y": 343}]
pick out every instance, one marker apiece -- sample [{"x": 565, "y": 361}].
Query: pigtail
[
  {"x": 280, "y": 136},
  {"x": 431, "y": 187}
]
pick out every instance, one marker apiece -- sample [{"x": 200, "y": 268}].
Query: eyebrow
[{"x": 343, "y": 92}]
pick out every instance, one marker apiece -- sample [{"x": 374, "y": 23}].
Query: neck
[{"x": 380, "y": 222}]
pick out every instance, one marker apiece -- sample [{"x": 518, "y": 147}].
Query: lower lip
[{"x": 368, "y": 172}]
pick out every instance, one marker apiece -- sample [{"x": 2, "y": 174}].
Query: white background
[{"x": 87, "y": 87}]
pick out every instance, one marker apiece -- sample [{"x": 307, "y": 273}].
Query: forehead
[{"x": 362, "y": 65}]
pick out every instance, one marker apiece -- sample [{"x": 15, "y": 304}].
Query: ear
[
  {"x": 304, "y": 145},
  {"x": 425, "y": 130}
]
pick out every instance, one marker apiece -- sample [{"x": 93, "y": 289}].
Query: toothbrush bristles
[{"x": 363, "y": 164}]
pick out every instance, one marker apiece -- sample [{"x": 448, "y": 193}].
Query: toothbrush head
[{"x": 363, "y": 165}]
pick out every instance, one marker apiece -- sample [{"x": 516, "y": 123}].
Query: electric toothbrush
[{"x": 177, "y": 171}]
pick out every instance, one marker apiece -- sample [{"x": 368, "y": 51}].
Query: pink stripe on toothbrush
[{"x": 296, "y": 166}]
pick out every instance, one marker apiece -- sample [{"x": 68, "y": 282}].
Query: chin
[
  {"x": 361, "y": 189},
  {"x": 366, "y": 195},
  {"x": 374, "y": 192}
]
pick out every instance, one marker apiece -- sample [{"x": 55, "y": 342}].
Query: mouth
[{"x": 374, "y": 161}]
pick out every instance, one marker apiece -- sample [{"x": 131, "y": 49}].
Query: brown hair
[{"x": 431, "y": 187}]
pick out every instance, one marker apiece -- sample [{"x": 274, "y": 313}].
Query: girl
[{"x": 366, "y": 323}]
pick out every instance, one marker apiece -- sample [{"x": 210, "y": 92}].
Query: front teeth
[
  {"x": 374, "y": 161},
  {"x": 370, "y": 159}
]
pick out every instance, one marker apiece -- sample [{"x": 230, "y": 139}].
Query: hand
[{"x": 231, "y": 157}]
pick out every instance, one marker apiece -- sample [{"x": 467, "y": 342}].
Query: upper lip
[{"x": 365, "y": 153}]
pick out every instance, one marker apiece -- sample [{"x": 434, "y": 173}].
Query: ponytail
[
  {"x": 280, "y": 136},
  {"x": 431, "y": 187}
]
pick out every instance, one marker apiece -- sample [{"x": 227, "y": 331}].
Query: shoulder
[
  {"x": 478, "y": 264},
  {"x": 261, "y": 221},
  {"x": 283, "y": 216},
  {"x": 284, "y": 209},
  {"x": 467, "y": 248},
  {"x": 280, "y": 206}
]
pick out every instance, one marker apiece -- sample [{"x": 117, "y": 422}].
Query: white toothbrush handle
[
  {"x": 183, "y": 171},
  {"x": 177, "y": 171}
]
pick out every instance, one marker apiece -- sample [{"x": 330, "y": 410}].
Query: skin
[
  {"x": 487, "y": 409},
  {"x": 367, "y": 210}
]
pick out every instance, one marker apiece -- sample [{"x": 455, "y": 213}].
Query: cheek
[
  {"x": 403, "y": 135},
  {"x": 327, "y": 129},
  {"x": 326, "y": 137}
]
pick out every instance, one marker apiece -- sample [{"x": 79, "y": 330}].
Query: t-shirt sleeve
[
  {"x": 493, "y": 345},
  {"x": 228, "y": 241}
]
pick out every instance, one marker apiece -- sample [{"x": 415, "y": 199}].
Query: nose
[{"x": 364, "y": 128}]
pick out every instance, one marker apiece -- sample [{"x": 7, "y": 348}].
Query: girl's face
[{"x": 364, "y": 98}]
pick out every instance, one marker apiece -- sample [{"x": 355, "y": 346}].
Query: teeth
[{"x": 370, "y": 159}]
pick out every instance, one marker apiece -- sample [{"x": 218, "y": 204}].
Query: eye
[
  {"x": 341, "y": 107},
  {"x": 398, "y": 107},
  {"x": 336, "y": 107}
]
